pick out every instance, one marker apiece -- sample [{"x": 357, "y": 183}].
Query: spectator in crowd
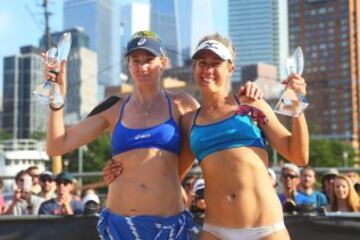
[
  {"x": 291, "y": 198},
  {"x": 272, "y": 176},
  {"x": 47, "y": 185},
  {"x": 91, "y": 202},
  {"x": 64, "y": 203},
  {"x": 189, "y": 194},
  {"x": 34, "y": 173},
  {"x": 345, "y": 196},
  {"x": 2, "y": 201},
  {"x": 200, "y": 204},
  {"x": 23, "y": 202},
  {"x": 327, "y": 184},
  {"x": 307, "y": 187}
]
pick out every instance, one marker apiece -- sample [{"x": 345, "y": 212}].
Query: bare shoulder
[
  {"x": 184, "y": 101},
  {"x": 109, "y": 109}
]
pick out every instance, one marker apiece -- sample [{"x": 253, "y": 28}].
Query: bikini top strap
[
  {"x": 196, "y": 115},
  {"x": 123, "y": 106},
  {"x": 169, "y": 104}
]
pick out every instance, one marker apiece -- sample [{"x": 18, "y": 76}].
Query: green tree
[
  {"x": 326, "y": 153},
  {"x": 38, "y": 135},
  {"x": 4, "y": 135},
  {"x": 95, "y": 156}
]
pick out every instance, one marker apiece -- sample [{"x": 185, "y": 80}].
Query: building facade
[
  {"x": 100, "y": 20},
  {"x": 258, "y": 29},
  {"x": 328, "y": 32},
  {"x": 164, "y": 20},
  {"x": 22, "y": 113}
]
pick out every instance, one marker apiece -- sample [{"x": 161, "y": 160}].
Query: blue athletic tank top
[
  {"x": 166, "y": 136},
  {"x": 235, "y": 131}
]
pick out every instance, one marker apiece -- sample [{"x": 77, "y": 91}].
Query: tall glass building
[
  {"x": 100, "y": 20},
  {"x": 259, "y": 31},
  {"x": 193, "y": 25},
  {"x": 134, "y": 17},
  {"x": 164, "y": 20}
]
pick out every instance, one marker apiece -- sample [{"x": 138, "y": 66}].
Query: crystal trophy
[
  {"x": 292, "y": 103},
  {"x": 48, "y": 92}
]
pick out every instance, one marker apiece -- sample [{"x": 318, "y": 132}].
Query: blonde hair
[
  {"x": 352, "y": 199},
  {"x": 223, "y": 40}
]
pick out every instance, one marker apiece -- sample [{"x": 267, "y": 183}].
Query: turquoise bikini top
[{"x": 232, "y": 132}]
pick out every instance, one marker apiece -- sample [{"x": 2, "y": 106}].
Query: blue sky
[{"x": 21, "y": 23}]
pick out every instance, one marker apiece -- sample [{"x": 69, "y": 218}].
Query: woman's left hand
[
  {"x": 296, "y": 82},
  {"x": 251, "y": 90},
  {"x": 111, "y": 171}
]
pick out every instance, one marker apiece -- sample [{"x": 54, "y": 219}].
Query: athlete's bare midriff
[
  {"x": 149, "y": 184},
  {"x": 238, "y": 190}
]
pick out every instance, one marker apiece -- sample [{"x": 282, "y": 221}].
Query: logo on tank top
[{"x": 142, "y": 136}]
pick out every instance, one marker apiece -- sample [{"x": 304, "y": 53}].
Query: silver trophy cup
[
  {"x": 292, "y": 103},
  {"x": 48, "y": 92}
]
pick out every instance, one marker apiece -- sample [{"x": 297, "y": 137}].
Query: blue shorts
[{"x": 112, "y": 226}]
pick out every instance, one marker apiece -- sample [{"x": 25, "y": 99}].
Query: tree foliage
[{"x": 327, "y": 153}]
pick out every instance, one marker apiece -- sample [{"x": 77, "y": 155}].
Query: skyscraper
[
  {"x": 258, "y": 29},
  {"x": 164, "y": 20},
  {"x": 100, "y": 20},
  {"x": 328, "y": 33},
  {"x": 22, "y": 113},
  {"x": 134, "y": 17},
  {"x": 194, "y": 25}
]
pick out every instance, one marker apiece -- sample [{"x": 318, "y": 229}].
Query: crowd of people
[{"x": 48, "y": 194}]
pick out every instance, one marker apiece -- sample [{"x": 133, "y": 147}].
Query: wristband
[{"x": 56, "y": 108}]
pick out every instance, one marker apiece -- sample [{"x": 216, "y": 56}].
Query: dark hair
[
  {"x": 104, "y": 105},
  {"x": 20, "y": 174},
  {"x": 1, "y": 183}
]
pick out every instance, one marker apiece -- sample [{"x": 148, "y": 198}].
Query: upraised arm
[
  {"x": 61, "y": 140},
  {"x": 294, "y": 145}
]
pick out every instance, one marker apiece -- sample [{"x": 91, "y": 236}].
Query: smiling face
[
  {"x": 211, "y": 73},
  {"x": 145, "y": 68},
  {"x": 341, "y": 188}
]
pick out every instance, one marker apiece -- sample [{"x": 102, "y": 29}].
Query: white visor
[{"x": 217, "y": 47}]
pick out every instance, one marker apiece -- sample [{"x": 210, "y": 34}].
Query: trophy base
[{"x": 291, "y": 104}]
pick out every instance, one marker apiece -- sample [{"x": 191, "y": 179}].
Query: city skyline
[{"x": 17, "y": 13}]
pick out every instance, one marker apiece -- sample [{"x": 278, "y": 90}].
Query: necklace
[{"x": 147, "y": 108}]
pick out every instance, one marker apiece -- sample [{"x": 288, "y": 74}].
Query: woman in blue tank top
[{"x": 146, "y": 202}]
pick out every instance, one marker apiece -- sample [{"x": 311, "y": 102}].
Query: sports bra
[
  {"x": 232, "y": 132},
  {"x": 165, "y": 136}
]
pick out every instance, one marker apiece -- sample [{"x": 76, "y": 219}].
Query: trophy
[
  {"x": 48, "y": 92},
  {"x": 292, "y": 103}
]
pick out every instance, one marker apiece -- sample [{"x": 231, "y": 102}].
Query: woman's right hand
[
  {"x": 111, "y": 171},
  {"x": 60, "y": 77}
]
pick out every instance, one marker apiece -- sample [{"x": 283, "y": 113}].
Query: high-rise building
[
  {"x": 134, "y": 17},
  {"x": 22, "y": 113},
  {"x": 328, "y": 32},
  {"x": 194, "y": 25},
  {"x": 100, "y": 20},
  {"x": 164, "y": 20},
  {"x": 259, "y": 31}
]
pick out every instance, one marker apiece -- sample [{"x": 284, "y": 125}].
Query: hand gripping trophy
[
  {"x": 48, "y": 92},
  {"x": 292, "y": 103}
]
